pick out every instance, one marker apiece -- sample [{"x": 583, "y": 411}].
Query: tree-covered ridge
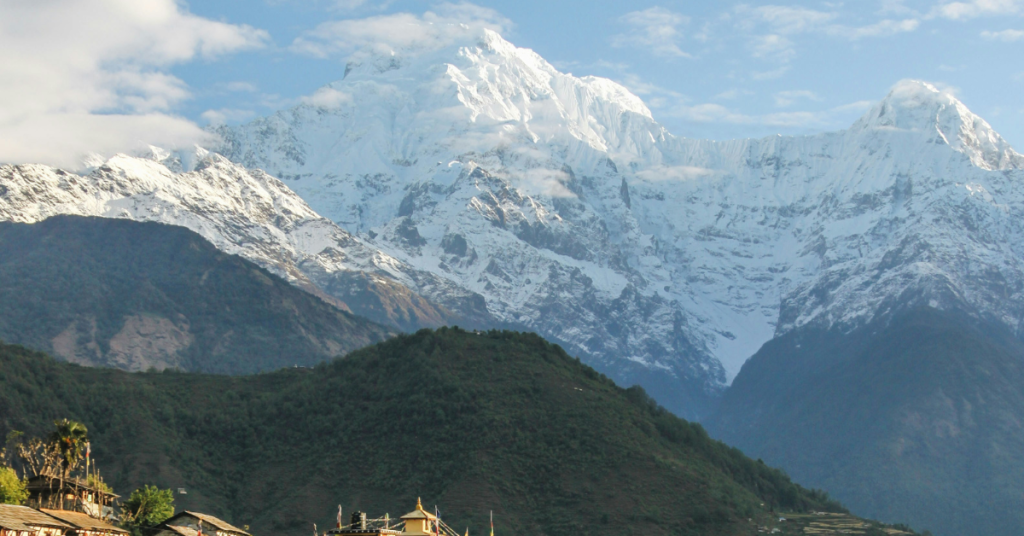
[
  {"x": 136, "y": 295},
  {"x": 473, "y": 422},
  {"x": 915, "y": 418}
]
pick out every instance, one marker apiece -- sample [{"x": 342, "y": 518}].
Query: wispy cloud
[
  {"x": 1006, "y": 36},
  {"x": 769, "y": 75},
  {"x": 784, "y": 20},
  {"x": 92, "y": 76},
  {"x": 717, "y": 113},
  {"x": 879, "y": 29},
  {"x": 655, "y": 29},
  {"x": 400, "y": 31},
  {"x": 224, "y": 116},
  {"x": 977, "y": 8},
  {"x": 773, "y": 46},
  {"x": 327, "y": 98},
  {"x": 732, "y": 94},
  {"x": 237, "y": 86},
  {"x": 785, "y": 99},
  {"x": 771, "y": 29}
]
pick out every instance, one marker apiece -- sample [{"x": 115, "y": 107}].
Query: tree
[
  {"x": 69, "y": 437},
  {"x": 12, "y": 488},
  {"x": 147, "y": 506}
]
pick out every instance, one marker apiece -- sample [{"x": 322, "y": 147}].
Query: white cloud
[
  {"x": 1006, "y": 36},
  {"x": 327, "y": 98},
  {"x": 89, "y": 76},
  {"x": 773, "y": 46},
  {"x": 784, "y": 20},
  {"x": 879, "y": 29},
  {"x": 771, "y": 29},
  {"x": 237, "y": 87},
  {"x": 716, "y": 113},
  {"x": 977, "y": 8},
  {"x": 769, "y": 75},
  {"x": 784, "y": 99},
  {"x": 860, "y": 106},
  {"x": 732, "y": 94},
  {"x": 226, "y": 115},
  {"x": 655, "y": 29},
  {"x": 675, "y": 173},
  {"x": 400, "y": 31}
]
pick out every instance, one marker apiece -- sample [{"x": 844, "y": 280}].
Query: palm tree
[{"x": 69, "y": 437}]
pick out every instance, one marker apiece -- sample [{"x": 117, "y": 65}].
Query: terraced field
[{"x": 823, "y": 523}]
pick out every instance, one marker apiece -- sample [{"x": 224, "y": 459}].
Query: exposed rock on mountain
[
  {"x": 135, "y": 296},
  {"x": 243, "y": 212},
  {"x": 563, "y": 204}
]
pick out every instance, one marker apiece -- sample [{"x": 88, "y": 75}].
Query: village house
[
  {"x": 71, "y": 494},
  {"x": 193, "y": 523},
  {"x": 84, "y": 524},
  {"x": 25, "y": 521}
]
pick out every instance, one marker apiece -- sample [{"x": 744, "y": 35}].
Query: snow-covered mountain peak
[
  {"x": 570, "y": 211},
  {"x": 920, "y": 107},
  {"x": 478, "y": 91}
]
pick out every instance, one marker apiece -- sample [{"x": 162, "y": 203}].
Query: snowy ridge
[
  {"x": 243, "y": 212},
  {"x": 564, "y": 204}
]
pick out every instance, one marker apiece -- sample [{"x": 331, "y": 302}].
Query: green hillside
[
  {"x": 471, "y": 422},
  {"x": 135, "y": 295},
  {"x": 916, "y": 419}
]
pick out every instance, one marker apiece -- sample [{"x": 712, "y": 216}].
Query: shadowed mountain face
[
  {"x": 917, "y": 419},
  {"x": 135, "y": 296}
]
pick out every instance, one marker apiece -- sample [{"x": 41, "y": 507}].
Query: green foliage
[
  {"x": 97, "y": 482},
  {"x": 471, "y": 422},
  {"x": 147, "y": 507},
  {"x": 12, "y": 488},
  {"x": 69, "y": 437}
]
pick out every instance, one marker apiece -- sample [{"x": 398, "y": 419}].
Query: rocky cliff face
[
  {"x": 141, "y": 295},
  {"x": 563, "y": 204},
  {"x": 244, "y": 212}
]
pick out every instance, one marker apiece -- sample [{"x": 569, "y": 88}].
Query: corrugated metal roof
[
  {"x": 14, "y": 517},
  {"x": 182, "y": 531},
  {"x": 217, "y": 523},
  {"x": 83, "y": 521}
]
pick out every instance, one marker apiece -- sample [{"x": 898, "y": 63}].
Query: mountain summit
[
  {"x": 917, "y": 106},
  {"x": 573, "y": 213}
]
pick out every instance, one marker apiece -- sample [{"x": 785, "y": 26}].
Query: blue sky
[{"x": 706, "y": 69}]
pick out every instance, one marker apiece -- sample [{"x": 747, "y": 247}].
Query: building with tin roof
[
  {"x": 24, "y": 521},
  {"x": 193, "y": 523},
  {"x": 84, "y": 524}
]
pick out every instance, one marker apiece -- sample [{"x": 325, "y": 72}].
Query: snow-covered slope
[
  {"x": 663, "y": 260},
  {"x": 244, "y": 212}
]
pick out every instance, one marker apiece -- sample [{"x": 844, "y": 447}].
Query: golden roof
[{"x": 419, "y": 512}]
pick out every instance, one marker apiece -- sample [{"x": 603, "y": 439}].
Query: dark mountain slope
[
  {"x": 134, "y": 295},
  {"x": 918, "y": 419},
  {"x": 471, "y": 422}
]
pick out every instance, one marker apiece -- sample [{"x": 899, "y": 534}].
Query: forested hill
[
  {"x": 472, "y": 422},
  {"x": 136, "y": 295},
  {"x": 916, "y": 418}
]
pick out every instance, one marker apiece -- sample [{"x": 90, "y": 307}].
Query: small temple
[{"x": 419, "y": 522}]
